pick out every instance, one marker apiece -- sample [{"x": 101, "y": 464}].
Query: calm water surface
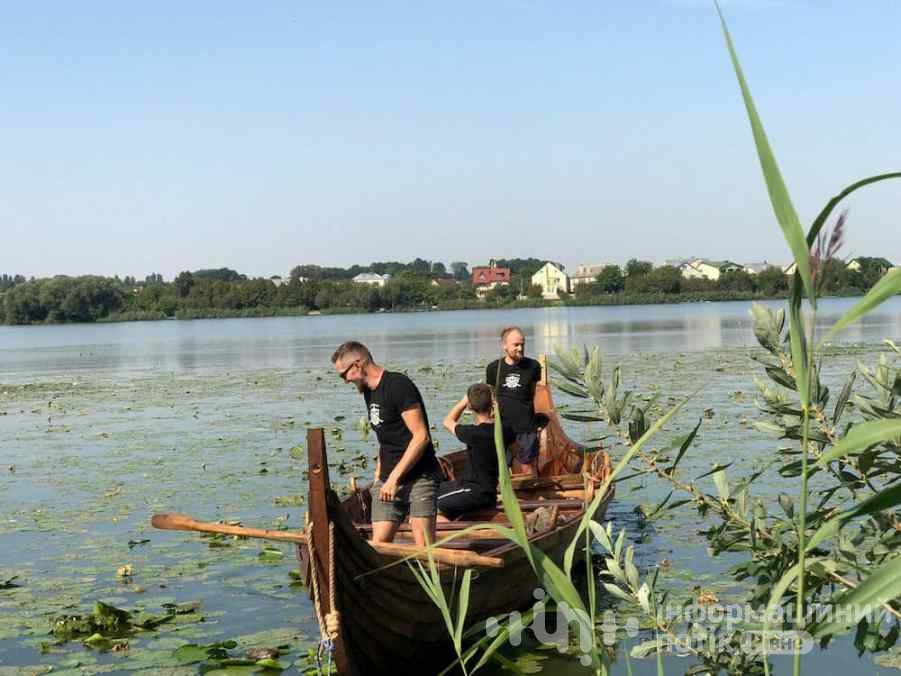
[{"x": 286, "y": 342}]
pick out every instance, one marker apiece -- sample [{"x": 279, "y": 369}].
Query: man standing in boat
[
  {"x": 407, "y": 472},
  {"x": 514, "y": 378}
]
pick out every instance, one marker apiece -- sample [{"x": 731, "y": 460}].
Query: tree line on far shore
[{"x": 416, "y": 285}]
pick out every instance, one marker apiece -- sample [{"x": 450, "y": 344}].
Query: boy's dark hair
[
  {"x": 479, "y": 396},
  {"x": 352, "y": 347}
]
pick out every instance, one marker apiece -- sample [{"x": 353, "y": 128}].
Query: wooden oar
[
  {"x": 443, "y": 529},
  {"x": 564, "y": 503},
  {"x": 561, "y": 481},
  {"x": 452, "y": 557}
]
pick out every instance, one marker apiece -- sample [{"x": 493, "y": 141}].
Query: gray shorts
[{"x": 417, "y": 498}]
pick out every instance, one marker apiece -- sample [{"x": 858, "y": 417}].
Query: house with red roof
[{"x": 485, "y": 278}]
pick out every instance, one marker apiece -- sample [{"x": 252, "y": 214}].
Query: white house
[
  {"x": 756, "y": 268},
  {"x": 552, "y": 280},
  {"x": 585, "y": 274},
  {"x": 371, "y": 278},
  {"x": 707, "y": 269}
]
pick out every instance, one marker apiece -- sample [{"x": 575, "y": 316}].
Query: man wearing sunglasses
[{"x": 407, "y": 472}]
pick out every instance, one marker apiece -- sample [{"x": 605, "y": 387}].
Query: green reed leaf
[
  {"x": 798, "y": 344},
  {"x": 508, "y": 495},
  {"x": 861, "y": 437},
  {"x": 462, "y": 607},
  {"x": 820, "y": 220},
  {"x": 881, "y": 586},
  {"x": 779, "y": 197},
  {"x": 885, "y": 288},
  {"x": 881, "y": 501},
  {"x": 843, "y": 398},
  {"x": 685, "y": 443}
]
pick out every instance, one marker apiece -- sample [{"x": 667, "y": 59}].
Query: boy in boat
[
  {"x": 515, "y": 376},
  {"x": 477, "y": 486},
  {"x": 407, "y": 472}
]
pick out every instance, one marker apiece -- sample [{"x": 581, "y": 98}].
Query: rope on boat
[{"x": 331, "y": 624}]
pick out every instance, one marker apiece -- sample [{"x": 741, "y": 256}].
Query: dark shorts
[
  {"x": 456, "y": 499},
  {"x": 527, "y": 447},
  {"x": 414, "y": 498}
]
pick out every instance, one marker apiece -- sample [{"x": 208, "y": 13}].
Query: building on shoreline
[
  {"x": 371, "y": 278},
  {"x": 757, "y": 268},
  {"x": 552, "y": 280},
  {"x": 587, "y": 273},
  {"x": 487, "y": 277},
  {"x": 699, "y": 268}
]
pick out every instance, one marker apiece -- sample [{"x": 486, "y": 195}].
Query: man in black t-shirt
[
  {"x": 407, "y": 472},
  {"x": 514, "y": 378},
  {"x": 476, "y": 488}
]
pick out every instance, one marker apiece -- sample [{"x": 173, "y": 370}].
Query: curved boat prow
[{"x": 558, "y": 453}]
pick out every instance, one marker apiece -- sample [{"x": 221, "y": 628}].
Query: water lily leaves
[
  {"x": 191, "y": 653},
  {"x": 67, "y": 627},
  {"x": 271, "y": 555},
  {"x": 214, "y": 658},
  {"x": 289, "y": 500},
  {"x": 110, "y": 618},
  {"x": 102, "y": 643}
]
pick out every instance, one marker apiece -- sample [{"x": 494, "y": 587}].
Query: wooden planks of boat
[{"x": 385, "y": 622}]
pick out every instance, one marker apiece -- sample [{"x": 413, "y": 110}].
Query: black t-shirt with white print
[
  {"x": 481, "y": 473},
  {"x": 516, "y": 391},
  {"x": 395, "y": 394}
]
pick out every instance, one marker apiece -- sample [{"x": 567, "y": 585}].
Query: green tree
[
  {"x": 585, "y": 289},
  {"x": 221, "y": 274},
  {"x": 736, "y": 280},
  {"x": 833, "y": 277},
  {"x": 635, "y": 267},
  {"x": 771, "y": 281},
  {"x": 610, "y": 279},
  {"x": 868, "y": 272},
  {"x": 460, "y": 270},
  {"x": 665, "y": 279},
  {"x": 534, "y": 291},
  {"x": 183, "y": 284},
  {"x": 22, "y": 305}
]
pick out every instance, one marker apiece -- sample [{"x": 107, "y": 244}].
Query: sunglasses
[{"x": 343, "y": 374}]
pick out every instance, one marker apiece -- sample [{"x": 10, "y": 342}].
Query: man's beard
[{"x": 361, "y": 386}]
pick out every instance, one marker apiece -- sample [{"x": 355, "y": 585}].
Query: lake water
[
  {"x": 287, "y": 342},
  {"x": 103, "y": 425}
]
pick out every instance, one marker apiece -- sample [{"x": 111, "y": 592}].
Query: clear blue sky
[{"x": 157, "y": 137}]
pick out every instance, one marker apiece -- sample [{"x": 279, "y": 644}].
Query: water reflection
[{"x": 290, "y": 342}]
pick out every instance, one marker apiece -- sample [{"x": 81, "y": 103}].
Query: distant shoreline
[{"x": 612, "y": 300}]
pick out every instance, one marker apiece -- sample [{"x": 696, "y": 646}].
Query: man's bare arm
[
  {"x": 453, "y": 417},
  {"x": 415, "y": 422}
]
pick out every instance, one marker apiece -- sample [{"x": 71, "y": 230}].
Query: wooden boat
[{"x": 379, "y": 619}]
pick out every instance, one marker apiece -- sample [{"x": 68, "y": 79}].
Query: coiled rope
[{"x": 331, "y": 624}]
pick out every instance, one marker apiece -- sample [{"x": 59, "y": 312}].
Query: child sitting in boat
[{"x": 477, "y": 486}]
